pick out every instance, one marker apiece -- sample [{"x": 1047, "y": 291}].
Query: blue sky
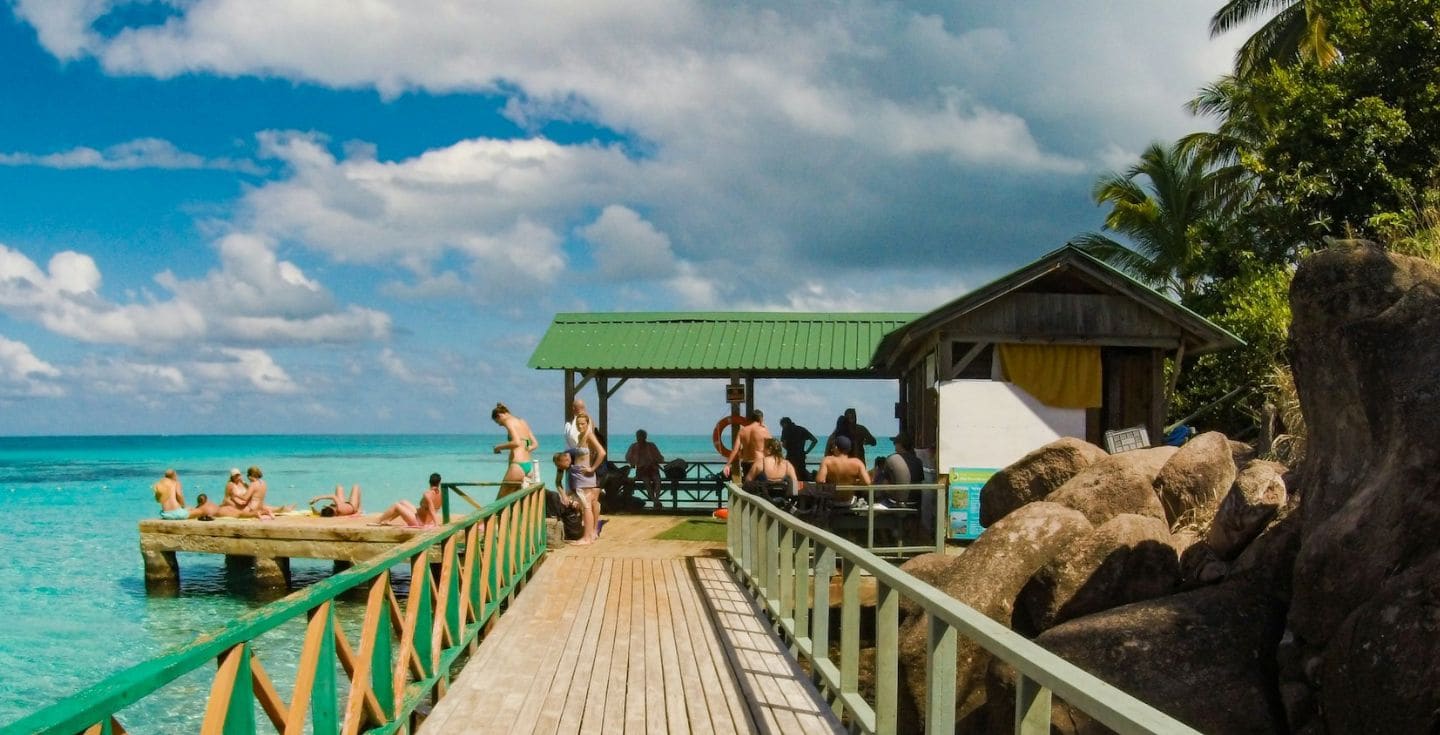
[{"x": 255, "y": 216}]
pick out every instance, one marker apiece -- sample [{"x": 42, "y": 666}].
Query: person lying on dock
[
  {"x": 427, "y": 515},
  {"x": 339, "y": 505},
  {"x": 205, "y": 510}
]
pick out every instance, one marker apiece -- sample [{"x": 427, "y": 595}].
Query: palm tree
[
  {"x": 1171, "y": 223},
  {"x": 1298, "y": 30},
  {"x": 1243, "y": 126}
]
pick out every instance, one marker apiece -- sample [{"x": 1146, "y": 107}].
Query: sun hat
[{"x": 234, "y": 471}]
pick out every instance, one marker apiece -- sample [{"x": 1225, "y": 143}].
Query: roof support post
[
  {"x": 570, "y": 391},
  {"x": 601, "y": 388},
  {"x": 749, "y": 396},
  {"x": 735, "y": 427}
]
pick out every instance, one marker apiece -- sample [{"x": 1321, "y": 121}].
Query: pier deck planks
[{"x": 632, "y": 635}]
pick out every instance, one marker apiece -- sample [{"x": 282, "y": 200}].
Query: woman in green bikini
[{"x": 522, "y": 443}]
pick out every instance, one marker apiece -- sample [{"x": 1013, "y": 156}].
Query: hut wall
[{"x": 1133, "y": 385}]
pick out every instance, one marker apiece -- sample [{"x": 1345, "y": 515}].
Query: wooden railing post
[
  {"x": 940, "y": 677},
  {"x": 772, "y": 565},
  {"x": 801, "y": 593},
  {"x": 887, "y": 668},
  {"x": 786, "y": 594},
  {"x": 820, "y": 610},
  {"x": 849, "y": 627},
  {"x": 1032, "y": 706}
]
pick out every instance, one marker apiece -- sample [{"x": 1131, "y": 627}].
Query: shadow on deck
[{"x": 632, "y": 634}]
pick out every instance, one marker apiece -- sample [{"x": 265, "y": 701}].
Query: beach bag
[{"x": 675, "y": 469}]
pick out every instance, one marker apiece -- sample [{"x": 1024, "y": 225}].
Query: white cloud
[
  {"x": 135, "y": 154},
  {"x": 210, "y": 376},
  {"x": 398, "y": 368},
  {"x": 253, "y": 298},
  {"x": 626, "y": 247},
  {"x": 24, "y": 374}
]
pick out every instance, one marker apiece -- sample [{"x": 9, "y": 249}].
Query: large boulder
[
  {"x": 1119, "y": 483},
  {"x": 1127, "y": 559},
  {"x": 987, "y": 577},
  {"x": 1257, "y": 495},
  {"x": 1365, "y": 354},
  {"x": 1035, "y": 476},
  {"x": 1195, "y": 479},
  {"x": 930, "y": 568},
  {"x": 1204, "y": 657}
]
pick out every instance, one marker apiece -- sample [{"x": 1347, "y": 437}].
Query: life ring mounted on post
[{"x": 720, "y": 427}]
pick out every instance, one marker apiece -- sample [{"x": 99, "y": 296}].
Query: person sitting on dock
[
  {"x": 840, "y": 468},
  {"x": 773, "y": 469},
  {"x": 646, "y": 458},
  {"x": 258, "y": 488},
  {"x": 171, "y": 498},
  {"x": 339, "y": 505},
  {"x": 237, "y": 494},
  {"x": 427, "y": 515}
]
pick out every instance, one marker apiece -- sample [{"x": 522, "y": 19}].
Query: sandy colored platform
[{"x": 311, "y": 537}]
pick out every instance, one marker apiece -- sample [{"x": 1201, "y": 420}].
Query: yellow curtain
[{"x": 1062, "y": 376}]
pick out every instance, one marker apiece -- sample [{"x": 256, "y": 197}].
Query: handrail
[
  {"x": 771, "y": 550},
  {"x": 403, "y": 654},
  {"x": 941, "y": 501}
]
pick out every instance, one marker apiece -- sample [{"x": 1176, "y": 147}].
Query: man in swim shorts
[{"x": 171, "y": 498}]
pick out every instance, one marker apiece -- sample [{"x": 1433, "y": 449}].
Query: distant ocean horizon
[{"x": 72, "y": 589}]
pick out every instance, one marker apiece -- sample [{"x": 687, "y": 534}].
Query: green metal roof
[{"x": 717, "y": 343}]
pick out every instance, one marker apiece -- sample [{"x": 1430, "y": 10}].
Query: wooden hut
[{"x": 1065, "y": 346}]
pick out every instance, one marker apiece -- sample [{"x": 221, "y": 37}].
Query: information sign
[
  {"x": 965, "y": 484},
  {"x": 734, "y": 394}
]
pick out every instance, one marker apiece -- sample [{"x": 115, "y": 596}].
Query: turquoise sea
[{"x": 72, "y": 588}]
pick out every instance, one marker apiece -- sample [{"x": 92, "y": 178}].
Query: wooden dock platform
[
  {"x": 268, "y": 545},
  {"x": 633, "y": 635}
]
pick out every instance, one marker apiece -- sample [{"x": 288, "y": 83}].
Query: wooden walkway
[{"x": 632, "y": 635}]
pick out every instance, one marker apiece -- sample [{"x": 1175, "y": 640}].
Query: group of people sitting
[{"x": 245, "y": 498}]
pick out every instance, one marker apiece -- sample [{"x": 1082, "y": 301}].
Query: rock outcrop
[
  {"x": 1365, "y": 358},
  {"x": 1119, "y": 483},
  {"x": 987, "y": 577},
  {"x": 1127, "y": 559},
  {"x": 1204, "y": 657},
  {"x": 1035, "y": 476},
  {"x": 1195, "y": 479},
  {"x": 1257, "y": 495}
]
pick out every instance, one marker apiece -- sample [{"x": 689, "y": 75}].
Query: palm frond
[
  {"x": 1278, "y": 41},
  {"x": 1237, "y": 12}
]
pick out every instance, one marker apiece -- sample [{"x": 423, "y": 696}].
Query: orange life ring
[
  {"x": 721, "y": 514},
  {"x": 720, "y": 427}
]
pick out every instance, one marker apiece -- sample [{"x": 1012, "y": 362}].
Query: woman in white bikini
[{"x": 589, "y": 454}]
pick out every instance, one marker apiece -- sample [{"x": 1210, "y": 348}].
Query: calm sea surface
[{"x": 73, "y": 607}]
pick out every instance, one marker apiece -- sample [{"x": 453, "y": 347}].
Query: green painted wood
[
  {"x": 240, "y": 711},
  {"x": 785, "y": 580},
  {"x": 801, "y": 566},
  {"x": 887, "y": 664},
  {"x": 426, "y": 616},
  {"x": 452, "y": 597},
  {"x": 324, "y": 695},
  {"x": 1105, "y": 703},
  {"x": 715, "y": 342},
  {"x": 940, "y": 663},
  {"x": 1032, "y": 707},
  {"x": 772, "y": 565},
  {"x": 849, "y": 626},
  {"x": 382, "y": 660}
]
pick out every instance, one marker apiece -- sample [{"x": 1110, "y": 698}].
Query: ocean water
[{"x": 72, "y": 586}]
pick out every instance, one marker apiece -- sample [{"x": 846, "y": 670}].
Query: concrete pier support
[
  {"x": 161, "y": 569},
  {"x": 272, "y": 571}
]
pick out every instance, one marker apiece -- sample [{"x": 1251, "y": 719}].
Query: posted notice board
[{"x": 965, "y": 484}]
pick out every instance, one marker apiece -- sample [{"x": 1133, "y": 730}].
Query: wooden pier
[
  {"x": 631, "y": 635},
  {"x": 267, "y": 545}
]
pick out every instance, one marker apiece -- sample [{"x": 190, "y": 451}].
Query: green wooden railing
[
  {"x": 403, "y": 655},
  {"x": 784, "y": 561}
]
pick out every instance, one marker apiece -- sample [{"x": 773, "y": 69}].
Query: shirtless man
[
  {"x": 749, "y": 444},
  {"x": 171, "y": 498},
  {"x": 840, "y": 468}
]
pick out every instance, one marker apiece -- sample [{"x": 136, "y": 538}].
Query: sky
[{"x": 297, "y": 216}]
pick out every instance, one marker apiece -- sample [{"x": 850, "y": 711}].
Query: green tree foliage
[
  {"x": 1350, "y": 149},
  {"x": 1166, "y": 206},
  {"x": 1298, "y": 31}
]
